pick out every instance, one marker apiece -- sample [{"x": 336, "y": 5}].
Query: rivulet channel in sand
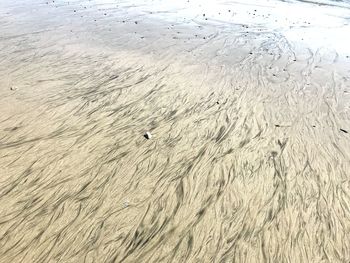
[{"x": 248, "y": 104}]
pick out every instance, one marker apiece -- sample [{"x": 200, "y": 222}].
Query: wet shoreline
[{"x": 248, "y": 159}]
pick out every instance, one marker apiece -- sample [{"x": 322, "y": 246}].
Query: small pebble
[{"x": 148, "y": 135}]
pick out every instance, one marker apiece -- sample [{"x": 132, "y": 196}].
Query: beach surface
[{"x": 248, "y": 108}]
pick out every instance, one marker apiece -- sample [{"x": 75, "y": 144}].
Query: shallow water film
[{"x": 174, "y": 131}]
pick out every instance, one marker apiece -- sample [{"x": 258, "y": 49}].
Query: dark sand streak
[{"x": 249, "y": 156}]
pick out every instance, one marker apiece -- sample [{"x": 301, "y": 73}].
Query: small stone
[
  {"x": 13, "y": 88},
  {"x": 148, "y": 135}
]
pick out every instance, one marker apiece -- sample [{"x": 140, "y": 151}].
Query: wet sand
[{"x": 249, "y": 110}]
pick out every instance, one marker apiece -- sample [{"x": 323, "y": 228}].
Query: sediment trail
[{"x": 248, "y": 161}]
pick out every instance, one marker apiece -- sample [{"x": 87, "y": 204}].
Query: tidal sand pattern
[{"x": 248, "y": 105}]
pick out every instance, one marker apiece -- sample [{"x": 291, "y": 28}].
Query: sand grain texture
[{"x": 249, "y": 155}]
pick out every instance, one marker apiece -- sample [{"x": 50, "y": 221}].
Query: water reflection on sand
[{"x": 248, "y": 106}]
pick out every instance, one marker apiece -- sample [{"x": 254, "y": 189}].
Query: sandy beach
[{"x": 248, "y": 108}]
